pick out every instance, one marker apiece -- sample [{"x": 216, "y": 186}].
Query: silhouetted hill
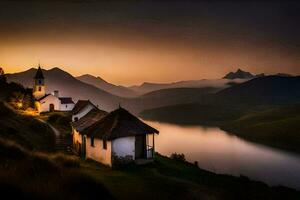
[
  {"x": 57, "y": 79},
  {"x": 108, "y": 87},
  {"x": 262, "y": 90},
  {"x": 239, "y": 74},
  {"x": 167, "y": 97}
]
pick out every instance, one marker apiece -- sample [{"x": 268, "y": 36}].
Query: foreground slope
[{"x": 24, "y": 130}]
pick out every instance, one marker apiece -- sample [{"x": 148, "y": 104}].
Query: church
[{"x": 49, "y": 102}]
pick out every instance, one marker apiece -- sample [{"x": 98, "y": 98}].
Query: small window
[
  {"x": 104, "y": 144},
  {"x": 66, "y": 106},
  {"x": 40, "y": 81},
  {"x": 92, "y": 141},
  {"x": 40, "y": 88}
]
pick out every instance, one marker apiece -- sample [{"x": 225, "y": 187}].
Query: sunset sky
[{"x": 129, "y": 42}]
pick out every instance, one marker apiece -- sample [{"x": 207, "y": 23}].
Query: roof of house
[
  {"x": 39, "y": 74},
  {"x": 80, "y": 105},
  {"x": 66, "y": 100},
  {"x": 43, "y": 97},
  {"x": 89, "y": 119},
  {"x": 119, "y": 123}
]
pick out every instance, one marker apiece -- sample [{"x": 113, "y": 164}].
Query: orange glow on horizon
[{"x": 127, "y": 64}]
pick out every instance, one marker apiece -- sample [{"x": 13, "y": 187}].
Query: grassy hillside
[
  {"x": 60, "y": 120},
  {"x": 278, "y": 127},
  {"x": 172, "y": 179},
  {"x": 25, "y": 130},
  {"x": 28, "y": 175}
]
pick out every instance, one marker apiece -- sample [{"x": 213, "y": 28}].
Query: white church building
[{"x": 49, "y": 102}]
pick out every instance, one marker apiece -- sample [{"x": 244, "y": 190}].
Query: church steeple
[
  {"x": 39, "y": 84},
  {"x": 39, "y": 74}
]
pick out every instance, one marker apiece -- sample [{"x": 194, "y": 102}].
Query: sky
[{"x": 132, "y": 41}]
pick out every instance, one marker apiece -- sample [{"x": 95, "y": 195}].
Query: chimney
[{"x": 56, "y": 93}]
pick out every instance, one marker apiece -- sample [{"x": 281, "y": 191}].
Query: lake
[{"x": 220, "y": 152}]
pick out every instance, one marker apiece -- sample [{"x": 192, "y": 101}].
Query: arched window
[{"x": 40, "y": 88}]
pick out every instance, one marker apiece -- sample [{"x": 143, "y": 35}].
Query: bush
[{"x": 178, "y": 157}]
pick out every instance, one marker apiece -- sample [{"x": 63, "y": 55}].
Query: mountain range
[
  {"x": 261, "y": 90},
  {"x": 216, "y": 83},
  {"x": 108, "y": 87}
]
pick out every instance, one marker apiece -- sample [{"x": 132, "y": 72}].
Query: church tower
[{"x": 39, "y": 89}]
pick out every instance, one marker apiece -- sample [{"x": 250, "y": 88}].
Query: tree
[{"x": 2, "y": 76}]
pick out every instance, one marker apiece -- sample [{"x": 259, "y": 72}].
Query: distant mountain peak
[{"x": 239, "y": 74}]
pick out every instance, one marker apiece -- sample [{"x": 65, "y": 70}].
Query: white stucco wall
[
  {"x": 83, "y": 112},
  {"x": 66, "y": 107},
  {"x": 97, "y": 152},
  {"x": 124, "y": 146},
  {"x": 45, "y": 103}
]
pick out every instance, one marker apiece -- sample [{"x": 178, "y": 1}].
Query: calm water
[{"x": 217, "y": 151}]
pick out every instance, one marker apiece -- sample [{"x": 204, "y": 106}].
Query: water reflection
[{"x": 217, "y": 151}]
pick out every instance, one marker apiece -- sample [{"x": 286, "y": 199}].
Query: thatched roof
[
  {"x": 89, "y": 119},
  {"x": 81, "y": 104},
  {"x": 119, "y": 123},
  {"x": 39, "y": 74}
]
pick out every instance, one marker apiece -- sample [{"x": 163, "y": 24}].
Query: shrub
[{"x": 178, "y": 157}]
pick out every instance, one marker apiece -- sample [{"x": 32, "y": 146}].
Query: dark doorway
[
  {"x": 51, "y": 107},
  {"x": 140, "y": 146}
]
